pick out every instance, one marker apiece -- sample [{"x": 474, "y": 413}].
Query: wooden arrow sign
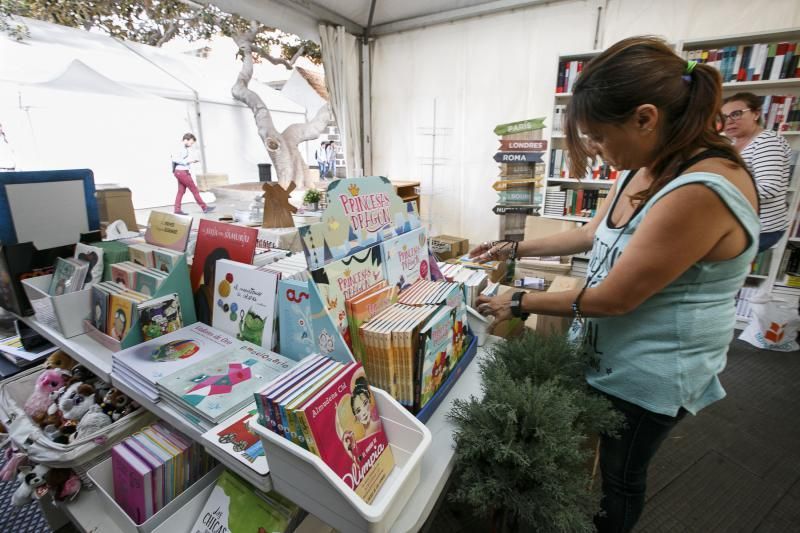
[
  {"x": 504, "y": 185},
  {"x": 518, "y": 157},
  {"x": 507, "y": 145},
  {"x": 519, "y": 127},
  {"x": 519, "y": 170},
  {"x": 513, "y": 210},
  {"x": 516, "y": 196}
]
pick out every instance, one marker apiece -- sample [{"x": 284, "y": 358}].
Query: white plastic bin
[
  {"x": 103, "y": 478},
  {"x": 64, "y": 313},
  {"x": 306, "y": 480}
]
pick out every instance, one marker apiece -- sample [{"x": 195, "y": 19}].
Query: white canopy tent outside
[
  {"x": 71, "y": 98},
  {"x": 479, "y": 63}
]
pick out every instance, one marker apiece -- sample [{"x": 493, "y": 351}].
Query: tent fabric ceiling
[{"x": 387, "y": 11}]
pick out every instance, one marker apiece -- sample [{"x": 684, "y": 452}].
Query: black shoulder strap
[{"x": 705, "y": 154}]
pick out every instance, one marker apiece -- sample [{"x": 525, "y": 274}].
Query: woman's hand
[
  {"x": 491, "y": 251},
  {"x": 497, "y": 306}
]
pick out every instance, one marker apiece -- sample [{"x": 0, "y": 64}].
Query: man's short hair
[{"x": 189, "y": 137}]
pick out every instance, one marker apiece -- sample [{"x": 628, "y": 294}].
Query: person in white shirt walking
[
  {"x": 7, "y": 160},
  {"x": 181, "y": 169}
]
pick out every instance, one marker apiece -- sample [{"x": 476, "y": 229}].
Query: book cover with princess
[
  {"x": 347, "y": 430},
  {"x": 405, "y": 258}
]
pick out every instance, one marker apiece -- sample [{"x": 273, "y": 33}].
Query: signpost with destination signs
[
  {"x": 518, "y": 157},
  {"x": 516, "y": 196},
  {"x": 519, "y": 127},
  {"x": 504, "y": 185}
]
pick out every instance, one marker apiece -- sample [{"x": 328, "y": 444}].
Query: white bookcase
[{"x": 775, "y": 280}]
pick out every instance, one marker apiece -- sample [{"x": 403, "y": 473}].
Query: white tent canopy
[{"x": 72, "y": 98}]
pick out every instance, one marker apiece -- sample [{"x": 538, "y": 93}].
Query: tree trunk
[{"x": 281, "y": 146}]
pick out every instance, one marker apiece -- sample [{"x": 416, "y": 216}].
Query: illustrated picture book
[
  {"x": 160, "y": 316},
  {"x": 295, "y": 325},
  {"x": 168, "y": 230},
  {"x": 94, "y": 256},
  {"x": 405, "y": 258},
  {"x": 234, "y": 437},
  {"x": 244, "y": 302}
]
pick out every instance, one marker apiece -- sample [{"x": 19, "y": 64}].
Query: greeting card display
[{"x": 361, "y": 212}]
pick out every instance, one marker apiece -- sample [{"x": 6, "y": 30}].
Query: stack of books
[
  {"x": 266, "y": 256},
  {"x": 328, "y": 408},
  {"x": 114, "y": 308},
  {"x": 152, "y": 467},
  {"x": 474, "y": 280},
  {"x": 290, "y": 267},
  {"x": 69, "y": 276},
  {"x": 214, "y": 389},
  {"x": 12, "y": 349},
  {"x": 365, "y": 305},
  {"x": 751, "y": 62},
  {"x": 134, "y": 276}
]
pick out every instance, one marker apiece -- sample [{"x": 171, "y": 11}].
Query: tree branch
[
  {"x": 297, "y": 55},
  {"x": 240, "y": 90},
  {"x": 170, "y": 32},
  {"x": 263, "y": 53},
  {"x": 307, "y": 131}
]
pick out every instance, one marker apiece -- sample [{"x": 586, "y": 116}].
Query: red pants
[{"x": 185, "y": 181}]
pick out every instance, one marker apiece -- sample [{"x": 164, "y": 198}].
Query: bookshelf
[{"x": 774, "y": 279}]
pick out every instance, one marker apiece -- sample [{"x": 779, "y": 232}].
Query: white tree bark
[{"x": 281, "y": 146}]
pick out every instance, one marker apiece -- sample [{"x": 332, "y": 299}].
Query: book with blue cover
[
  {"x": 405, "y": 258},
  {"x": 294, "y": 323},
  {"x": 217, "y": 387}
]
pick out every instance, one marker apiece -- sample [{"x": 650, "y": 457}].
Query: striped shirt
[{"x": 767, "y": 157}]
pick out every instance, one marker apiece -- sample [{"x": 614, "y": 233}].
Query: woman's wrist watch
[{"x": 516, "y": 305}]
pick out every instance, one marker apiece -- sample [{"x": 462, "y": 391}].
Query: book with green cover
[{"x": 235, "y": 507}]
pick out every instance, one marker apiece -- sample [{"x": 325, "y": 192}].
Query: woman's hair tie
[{"x": 687, "y": 72}]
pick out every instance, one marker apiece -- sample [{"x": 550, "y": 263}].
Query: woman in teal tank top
[{"x": 669, "y": 251}]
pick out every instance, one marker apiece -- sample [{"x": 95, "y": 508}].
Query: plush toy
[
  {"x": 63, "y": 483},
  {"x": 93, "y": 421},
  {"x": 59, "y": 359},
  {"x": 115, "y": 404},
  {"x": 31, "y": 479},
  {"x": 49, "y": 381},
  {"x": 75, "y": 402},
  {"x": 82, "y": 374}
]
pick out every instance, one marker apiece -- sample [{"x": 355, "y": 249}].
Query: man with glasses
[{"x": 767, "y": 156}]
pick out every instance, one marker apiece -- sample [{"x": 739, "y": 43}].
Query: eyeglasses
[{"x": 734, "y": 115}]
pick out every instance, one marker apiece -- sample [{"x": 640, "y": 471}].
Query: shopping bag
[{"x": 773, "y": 324}]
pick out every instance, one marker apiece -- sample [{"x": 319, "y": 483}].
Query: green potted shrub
[
  {"x": 311, "y": 199},
  {"x": 523, "y": 450}
]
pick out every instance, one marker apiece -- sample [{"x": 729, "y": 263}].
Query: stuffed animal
[
  {"x": 31, "y": 479},
  {"x": 63, "y": 483},
  {"x": 82, "y": 374},
  {"x": 59, "y": 359},
  {"x": 75, "y": 402},
  {"x": 49, "y": 381},
  {"x": 115, "y": 404},
  {"x": 91, "y": 422}
]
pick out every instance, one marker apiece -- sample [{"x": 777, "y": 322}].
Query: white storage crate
[
  {"x": 65, "y": 312},
  {"x": 103, "y": 478},
  {"x": 305, "y": 479}
]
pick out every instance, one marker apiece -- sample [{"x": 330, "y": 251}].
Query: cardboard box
[
  {"x": 115, "y": 203},
  {"x": 558, "y": 324},
  {"x": 448, "y": 247}
]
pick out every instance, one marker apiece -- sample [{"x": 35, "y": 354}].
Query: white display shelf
[
  {"x": 569, "y": 218},
  {"x": 82, "y": 348},
  {"x": 757, "y": 276},
  {"x": 596, "y": 183},
  {"x": 731, "y": 86},
  {"x": 437, "y": 463},
  {"x": 789, "y": 133},
  {"x": 794, "y": 239}
]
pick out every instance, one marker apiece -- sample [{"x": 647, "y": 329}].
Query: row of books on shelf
[
  {"x": 597, "y": 169},
  {"x": 573, "y": 202},
  {"x": 781, "y": 113},
  {"x": 761, "y": 262},
  {"x": 559, "y": 112},
  {"x": 115, "y": 310},
  {"x": 475, "y": 281},
  {"x": 790, "y": 262},
  {"x": 751, "y": 62},
  {"x": 568, "y": 72}
]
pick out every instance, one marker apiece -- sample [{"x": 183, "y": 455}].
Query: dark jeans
[
  {"x": 768, "y": 239},
  {"x": 624, "y": 462}
]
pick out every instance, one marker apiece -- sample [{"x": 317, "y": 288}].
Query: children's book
[
  {"x": 94, "y": 256},
  {"x": 216, "y": 388},
  {"x": 295, "y": 326},
  {"x": 345, "y": 278},
  {"x": 141, "y": 254},
  {"x": 234, "y": 437},
  {"x": 342, "y": 423},
  {"x": 436, "y": 342},
  {"x": 120, "y": 315},
  {"x": 67, "y": 276},
  {"x": 244, "y": 302},
  {"x": 405, "y": 258},
  {"x": 147, "y": 283},
  {"x": 215, "y": 241},
  {"x": 165, "y": 260},
  {"x": 234, "y": 506},
  {"x": 168, "y": 230},
  {"x": 160, "y": 316},
  {"x": 133, "y": 486},
  {"x": 365, "y": 306},
  {"x": 162, "y": 356}
]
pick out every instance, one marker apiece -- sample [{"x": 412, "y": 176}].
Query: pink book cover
[
  {"x": 348, "y": 433},
  {"x": 131, "y": 480},
  {"x": 156, "y": 466}
]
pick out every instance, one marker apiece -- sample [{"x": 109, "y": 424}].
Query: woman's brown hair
[{"x": 644, "y": 70}]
